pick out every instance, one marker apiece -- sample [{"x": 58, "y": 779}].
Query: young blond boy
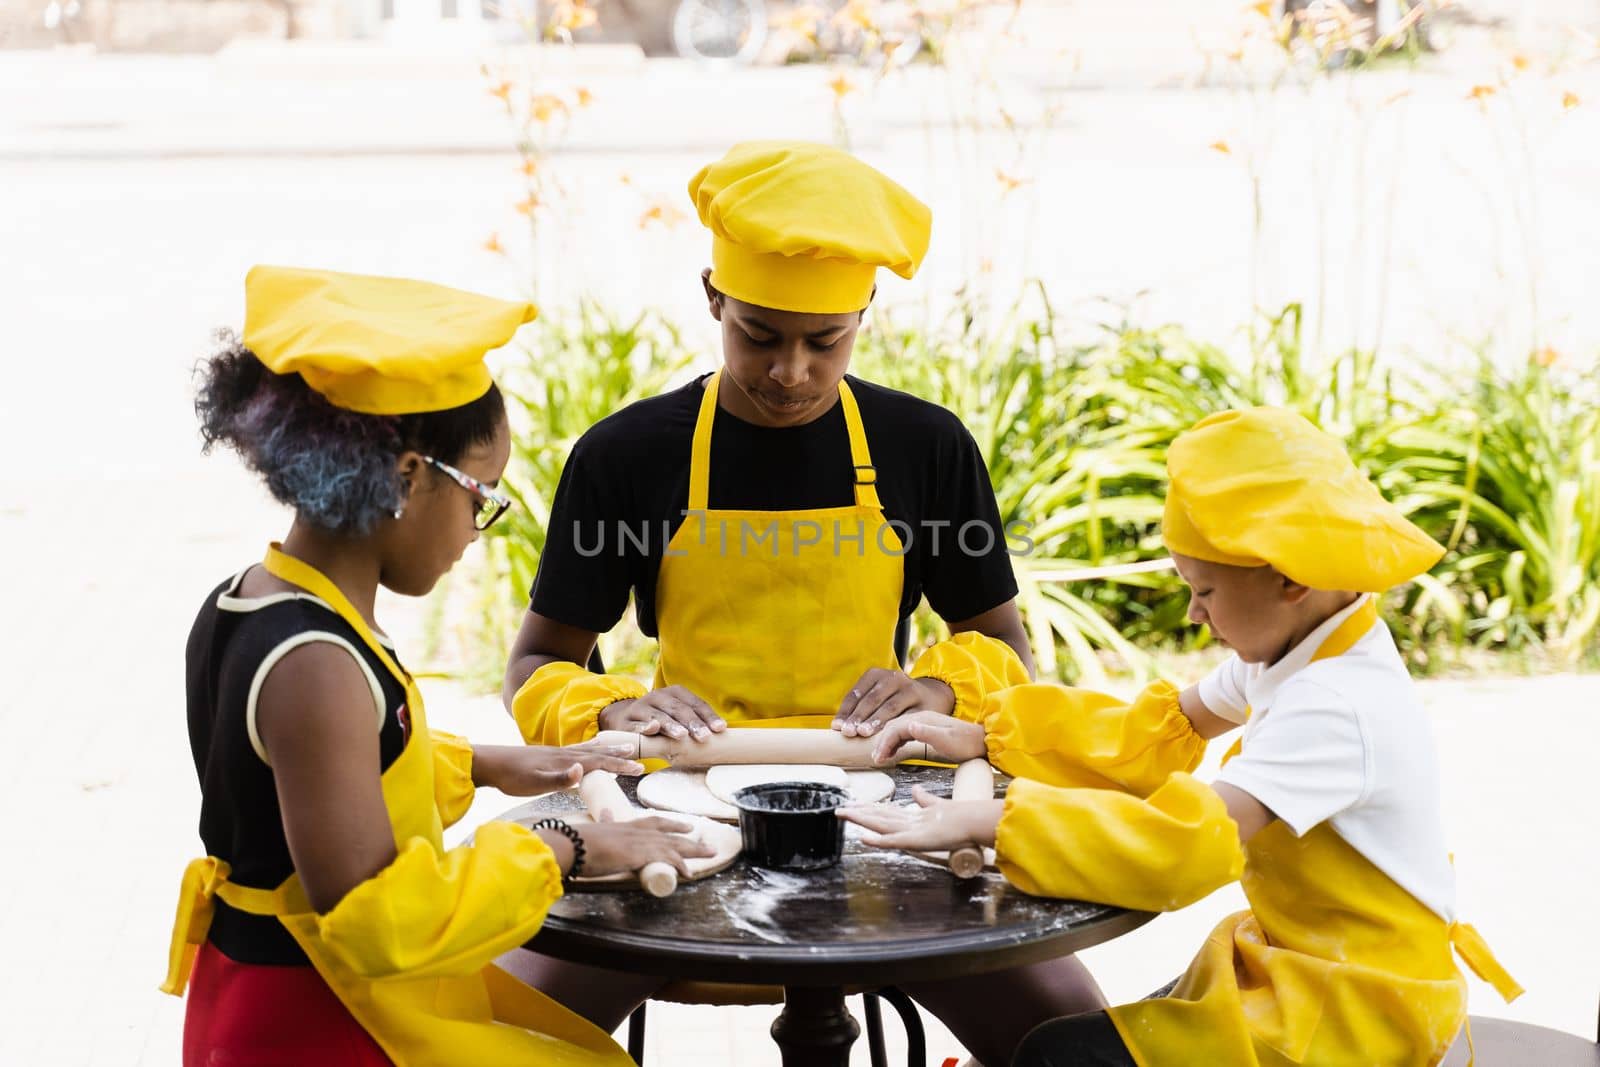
[{"x": 1326, "y": 808}]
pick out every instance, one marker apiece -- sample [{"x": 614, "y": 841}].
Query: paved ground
[{"x": 139, "y": 190}]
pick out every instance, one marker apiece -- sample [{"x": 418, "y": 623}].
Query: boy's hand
[
  {"x": 672, "y": 710},
  {"x": 881, "y": 695},
  {"x": 934, "y": 824},
  {"x": 950, "y": 739}
]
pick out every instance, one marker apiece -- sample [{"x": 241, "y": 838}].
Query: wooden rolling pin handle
[
  {"x": 622, "y": 738},
  {"x": 974, "y": 781},
  {"x": 659, "y": 879},
  {"x": 755, "y": 745},
  {"x": 605, "y": 801},
  {"x": 966, "y": 861}
]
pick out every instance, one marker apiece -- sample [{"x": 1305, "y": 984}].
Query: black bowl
[{"x": 791, "y": 826}]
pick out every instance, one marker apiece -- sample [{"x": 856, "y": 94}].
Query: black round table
[{"x": 879, "y": 918}]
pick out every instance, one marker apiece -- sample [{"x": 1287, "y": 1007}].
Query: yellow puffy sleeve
[
  {"x": 560, "y": 703},
  {"x": 452, "y": 776},
  {"x": 1080, "y": 738},
  {"x": 974, "y": 666},
  {"x": 430, "y": 914},
  {"x": 1157, "y": 854}
]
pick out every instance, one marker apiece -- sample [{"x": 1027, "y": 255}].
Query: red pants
[{"x": 247, "y": 1015}]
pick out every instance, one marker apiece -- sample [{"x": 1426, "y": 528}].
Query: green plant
[
  {"x": 1040, "y": 433},
  {"x": 1513, "y": 464},
  {"x": 1502, "y": 469},
  {"x": 575, "y": 372}
]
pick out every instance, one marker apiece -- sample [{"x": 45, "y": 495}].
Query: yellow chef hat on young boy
[
  {"x": 382, "y": 346},
  {"x": 1264, "y": 487},
  {"x": 805, "y": 227}
]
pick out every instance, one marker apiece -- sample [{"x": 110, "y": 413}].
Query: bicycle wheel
[{"x": 723, "y": 31}]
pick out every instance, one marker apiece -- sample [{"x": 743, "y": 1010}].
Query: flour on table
[{"x": 869, "y": 787}]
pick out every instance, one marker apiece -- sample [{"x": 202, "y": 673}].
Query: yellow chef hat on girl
[
  {"x": 1264, "y": 487},
  {"x": 382, "y": 346},
  {"x": 805, "y": 227}
]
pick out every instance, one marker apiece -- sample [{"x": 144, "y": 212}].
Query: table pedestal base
[{"x": 814, "y": 1029}]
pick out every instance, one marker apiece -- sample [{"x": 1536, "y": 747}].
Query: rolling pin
[
  {"x": 754, "y": 745},
  {"x": 603, "y": 798},
  {"x": 974, "y": 781}
]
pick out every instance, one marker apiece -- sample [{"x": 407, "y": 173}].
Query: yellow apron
[
  {"x": 1334, "y": 965},
  {"x": 771, "y": 616},
  {"x": 408, "y": 951}
]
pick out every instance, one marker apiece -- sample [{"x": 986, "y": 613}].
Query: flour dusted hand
[
  {"x": 672, "y": 710},
  {"x": 951, "y": 739},
  {"x": 933, "y": 825},
  {"x": 620, "y": 847},
  {"x": 881, "y": 695}
]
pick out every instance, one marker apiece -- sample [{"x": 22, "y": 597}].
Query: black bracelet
[{"x": 561, "y": 827}]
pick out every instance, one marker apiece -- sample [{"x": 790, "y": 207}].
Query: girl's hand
[
  {"x": 881, "y": 695},
  {"x": 935, "y": 824},
  {"x": 673, "y": 711},
  {"x": 613, "y": 847},
  {"x": 530, "y": 770},
  {"x": 950, "y": 739}
]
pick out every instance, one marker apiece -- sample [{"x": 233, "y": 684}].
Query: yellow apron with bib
[
  {"x": 1334, "y": 965},
  {"x": 449, "y": 1005},
  {"x": 771, "y": 616}
]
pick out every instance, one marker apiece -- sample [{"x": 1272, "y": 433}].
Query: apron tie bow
[
  {"x": 1474, "y": 950},
  {"x": 201, "y": 879}
]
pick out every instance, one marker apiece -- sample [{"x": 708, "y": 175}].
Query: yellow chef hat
[
  {"x": 382, "y": 346},
  {"x": 805, "y": 227},
  {"x": 1263, "y": 487}
]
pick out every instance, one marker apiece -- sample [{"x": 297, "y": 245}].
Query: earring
[{"x": 398, "y": 512}]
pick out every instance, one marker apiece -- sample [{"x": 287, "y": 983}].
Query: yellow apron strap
[
  {"x": 1350, "y": 631},
  {"x": 1475, "y": 951},
  {"x": 287, "y": 899},
  {"x": 203, "y": 881},
  {"x": 700, "y": 454},
  {"x": 866, "y": 475},
  {"x": 313, "y": 581},
  {"x": 860, "y": 456},
  {"x": 193, "y": 921}
]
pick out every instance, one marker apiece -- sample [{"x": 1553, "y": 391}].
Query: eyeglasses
[{"x": 491, "y": 503}]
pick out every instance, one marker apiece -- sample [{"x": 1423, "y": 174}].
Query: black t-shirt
[
  {"x": 240, "y": 822},
  {"x": 626, "y": 485}
]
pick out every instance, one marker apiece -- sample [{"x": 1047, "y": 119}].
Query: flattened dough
[
  {"x": 869, "y": 787},
  {"x": 729, "y": 779},
  {"x": 725, "y": 839},
  {"x": 687, "y": 791}
]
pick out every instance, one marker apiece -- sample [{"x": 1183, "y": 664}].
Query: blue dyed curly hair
[{"x": 335, "y": 468}]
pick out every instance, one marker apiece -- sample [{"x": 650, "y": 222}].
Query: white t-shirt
[{"x": 1343, "y": 741}]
